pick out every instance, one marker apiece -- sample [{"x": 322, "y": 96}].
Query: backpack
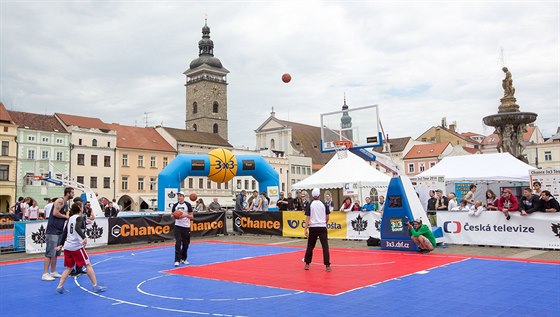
[{"x": 373, "y": 242}]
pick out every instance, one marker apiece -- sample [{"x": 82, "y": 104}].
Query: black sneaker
[
  {"x": 80, "y": 271},
  {"x": 74, "y": 273}
]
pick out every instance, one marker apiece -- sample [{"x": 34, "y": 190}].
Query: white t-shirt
[
  {"x": 73, "y": 240},
  {"x": 48, "y": 209},
  {"x": 317, "y": 212},
  {"x": 33, "y": 212},
  {"x": 185, "y": 208}
]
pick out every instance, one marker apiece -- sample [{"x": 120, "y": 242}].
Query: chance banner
[{"x": 258, "y": 222}]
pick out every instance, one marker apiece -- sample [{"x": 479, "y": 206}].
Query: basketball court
[{"x": 235, "y": 279}]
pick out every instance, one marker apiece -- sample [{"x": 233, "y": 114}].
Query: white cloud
[{"x": 418, "y": 61}]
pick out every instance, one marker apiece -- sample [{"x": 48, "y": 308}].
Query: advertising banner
[
  {"x": 273, "y": 192},
  {"x": 293, "y": 224},
  {"x": 258, "y": 222},
  {"x": 170, "y": 198},
  {"x": 35, "y": 235},
  {"x": 362, "y": 225},
  {"x": 423, "y": 185},
  {"x": 208, "y": 224},
  {"x": 6, "y": 220},
  {"x": 337, "y": 225},
  {"x": 549, "y": 179},
  {"x": 538, "y": 230},
  {"x": 461, "y": 189}
]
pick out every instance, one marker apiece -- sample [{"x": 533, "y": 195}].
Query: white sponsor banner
[
  {"x": 424, "y": 184},
  {"x": 549, "y": 179},
  {"x": 274, "y": 194},
  {"x": 170, "y": 198},
  {"x": 350, "y": 189},
  {"x": 538, "y": 230},
  {"x": 362, "y": 225},
  {"x": 35, "y": 235}
]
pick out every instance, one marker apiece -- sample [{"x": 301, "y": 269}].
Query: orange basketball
[
  {"x": 177, "y": 214},
  {"x": 193, "y": 196},
  {"x": 286, "y": 78}
]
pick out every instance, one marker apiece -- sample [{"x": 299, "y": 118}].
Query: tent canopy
[
  {"x": 481, "y": 167},
  {"x": 337, "y": 172}
]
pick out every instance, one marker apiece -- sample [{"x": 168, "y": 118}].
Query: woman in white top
[
  {"x": 452, "y": 201},
  {"x": 346, "y": 205},
  {"x": 24, "y": 206},
  {"x": 33, "y": 210}
]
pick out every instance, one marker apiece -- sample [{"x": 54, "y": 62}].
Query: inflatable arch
[{"x": 185, "y": 165}]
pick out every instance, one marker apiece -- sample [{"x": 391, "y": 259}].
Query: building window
[
  {"x": 548, "y": 156},
  {"x": 165, "y": 161},
  {"x": 209, "y": 184},
  {"x": 81, "y": 159},
  {"x": 5, "y": 148},
  {"x": 107, "y": 161},
  {"x": 293, "y": 169},
  {"x": 194, "y": 108},
  {"x": 153, "y": 162},
  {"x": 293, "y": 181},
  {"x": 253, "y": 185},
  {"x": 79, "y": 141},
  {"x": 31, "y": 154},
  {"x": 191, "y": 182},
  {"x": 108, "y": 144},
  {"x": 94, "y": 160},
  {"x": 153, "y": 183},
  {"x": 140, "y": 160},
  {"x": 59, "y": 156},
  {"x": 125, "y": 160},
  {"x": 31, "y": 138},
  {"x": 421, "y": 167},
  {"x": 4, "y": 172},
  {"x": 280, "y": 171},
  {"x": 106, "y": 182},
  {"x": 432, "y": 164},
  {"x": 44, "y": 154},
  {"x": 215, "y": 128},
  {"x": 272, "y": 144},
  {"x": 283, "y": 186},
  {"x": 93, "y": 182},
  {"x": 246, "y": 184},
  {"x": 215, "y": 107},
  {"x": 411, "y": 168},
  {"x": 59, "y": 141},
  {"x": 298, "y": 170},
  {"x": 226, "y": 186},
  {"x": 80, "y": 179},
  {"x": 140, "y": 183},
  {"x": 200, "y": 183},
  {"x": 194, "y": 127},
  {"x": 124, "y": 183},
  {"x": 94, "y": 142},
  {"x": 219, "y": 185},
  {"x": 45, "y": 139},
  {"x": 238, "y": 184}
]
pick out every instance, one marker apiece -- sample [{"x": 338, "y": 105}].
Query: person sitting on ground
[
  {"x": 491, "y": 200},
  {"x": 214, "y": 205},
  {"x": 547, "y": 203},
  {"x": 422, "y": 236},
  {"x": 463, "y": 206},
  {"x": 369, "y": 205},
  {"x": 528, "y": 201},
  {"x": 346, "y": 205},
  {"x": 507, "y": 203},
  {"x": 452, "y": 201},
  {"x": 476, "y": 209}
]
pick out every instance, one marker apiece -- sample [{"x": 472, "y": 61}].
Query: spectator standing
[
  {"x": 48, "y": 208},
  {"x": 182, "y": 230},
  {"x": 16, "y": 209},
  {"x": 282, "y": 202},
  {"x": 537, "y": 188},
  {"x": 381, "y": 203},
  {"x": 33, "y": 210},
  {"x": 469, "y": 197},
  {"x": 290, "y": 201},
  {"x": 451, "y": 201},
  {"x": 346, "y": 205},
  {"x": 529, "y": 201},
  {"x": 507, "y": 203},
  {"x": 356, "y": 206},
  {"x": 25, "y": 208},
  {"x": 432, "y": 208},
  {"x": 329, "y": 202},
  {"x": 265, "y": 201},
  {"x": 116, "y": 206},
  {"x": 200, "y": 206},
  {"x": 298, "y": 201},
  {"x": 548, "y": 203},
  {"x": 89, "y": 215},
  {"x": 110, "y": 210},
  {"x": 241, "y": 201},
  {"x": 369, "y": 205},
  {"x": 491, "y": 200},
  {"x": 316, "y": 219},
  {"x": 214, "y": 205}
]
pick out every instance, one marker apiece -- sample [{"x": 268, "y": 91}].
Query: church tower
[
  {"x": 346, "y": 122},
  {"x": 206, "y": 95}
]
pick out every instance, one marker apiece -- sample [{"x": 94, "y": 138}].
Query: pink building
[{"x": 422, "y": 157}]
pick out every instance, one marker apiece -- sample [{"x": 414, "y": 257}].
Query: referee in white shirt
[{"x": 316, "y": 219}]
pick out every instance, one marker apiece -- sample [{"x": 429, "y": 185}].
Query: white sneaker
[
  {"x": 176, "y": 263},
  {"x": 185, "y": 262},
  {"x": 47, "y": 277},
  {"x": 55, "y": 274}
]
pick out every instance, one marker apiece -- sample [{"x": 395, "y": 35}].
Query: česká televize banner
[
  {"x": 537, "y": 230},
  {"x": 97, "y": 233},
  {"x": 269, "y": 223},
  {"x": 160, "y": 227}
]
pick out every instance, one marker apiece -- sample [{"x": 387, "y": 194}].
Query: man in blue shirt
[{"x": 369, "y": 205}]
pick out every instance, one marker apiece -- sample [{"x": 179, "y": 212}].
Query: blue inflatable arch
[{"x": 185, "y": 165}]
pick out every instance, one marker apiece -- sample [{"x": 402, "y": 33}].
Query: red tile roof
[
  {"x": 197, "y": 137},
  {"x": 140, "y": 138},
  {"x": 471, "y": 150},
  {"x": 4, "y": 115},
  {"x": 36, "y": 121},
  {"x": 469, "y": 134},
  {"x": 83, "y": 122},
  {"x": 307, "y": 140},
  {"x": 493, "y": 138},
  {"x": 397, "y": 144},
  {"x": 426, "y": 150}
]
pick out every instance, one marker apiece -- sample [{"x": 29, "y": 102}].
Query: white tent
[
  {"x": 337, "y": 172},
  {"x": 494, "y": 167}
]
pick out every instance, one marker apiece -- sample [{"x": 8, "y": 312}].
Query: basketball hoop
[{"x": 341, "y": 147}]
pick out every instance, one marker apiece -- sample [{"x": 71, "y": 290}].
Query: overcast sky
[{"x": 420, "y": 61}]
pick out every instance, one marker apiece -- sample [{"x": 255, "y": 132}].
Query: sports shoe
[
  {"x": 47, "y": 277},
  {"x": 176, "y": 264},
  {"x": 61, "y": 290},
  {"x": 306, "y": 267},
  {"x": 185, "y": 262},
  {"x": 99, "y": 289},
  {"x": 328, "y": 268},
  {"x": 55, "y": 274}
]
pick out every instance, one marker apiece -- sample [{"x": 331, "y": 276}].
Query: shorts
[
  {"x": 77, "y": 257},
  {"x": 52, "y": 242}
]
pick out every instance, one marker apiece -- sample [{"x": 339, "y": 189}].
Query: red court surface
[{"x": 351, "y": 269}]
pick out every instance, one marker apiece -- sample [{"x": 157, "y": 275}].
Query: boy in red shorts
[{"x": 74, "y": 241}]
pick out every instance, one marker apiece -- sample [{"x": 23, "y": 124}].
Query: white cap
[
  {"x": 316, "y": 192},
  {"x": 181, "y": 193}
]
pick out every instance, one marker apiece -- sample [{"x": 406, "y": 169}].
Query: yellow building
[
  {"x": 8, "y": 132},
  {"x": 544, "y": 155},
  {"x": 439, "y": 134}
]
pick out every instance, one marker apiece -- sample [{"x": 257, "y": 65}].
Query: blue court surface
[{"x": 140, "y": 284}]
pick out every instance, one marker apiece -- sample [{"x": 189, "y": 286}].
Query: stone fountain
[{"x": 509, "y": 122}]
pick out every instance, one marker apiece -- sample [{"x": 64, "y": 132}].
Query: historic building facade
[{"x": 8, "y": 158}]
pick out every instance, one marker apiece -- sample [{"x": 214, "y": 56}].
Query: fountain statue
[{"x": 509, "y": 122}]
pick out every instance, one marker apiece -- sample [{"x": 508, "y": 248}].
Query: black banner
[
  {"x": 6, "y": 220},
  {"x": 269, "y": 223},
  {"x": 160, "y": 227}
]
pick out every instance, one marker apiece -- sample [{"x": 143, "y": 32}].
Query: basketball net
[{"x": 341, "y": 147}]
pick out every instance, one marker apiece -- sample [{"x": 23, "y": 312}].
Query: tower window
[
  {"x": 215, "y": 128},
  {"x": 272, "y": 144},
  {"x": 194, "y": 108},
  {"x": 215, "y": 107},
  {"x": 94, "y": 142},
  {"x": 194, "y": 127}
]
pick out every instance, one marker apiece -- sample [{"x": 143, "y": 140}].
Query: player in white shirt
[
  {"x": 316, "y": 219},
  {"x": 48, "y": 208},
  {"x": 74, "y": 241},
  {"x": 182, "y": 230}
]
